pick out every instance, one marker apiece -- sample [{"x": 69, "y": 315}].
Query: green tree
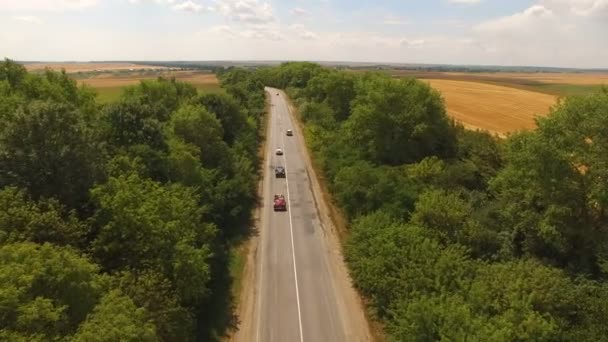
[
  {"x": 143, "y": 225},
  {"x": 131, "y": 123},
  {"x": 155, "y": 293},
  {"x": 390, "y": 262},
  {"x": 46, "y": 221},
  {"x": 50, "y": 150},
  {"x": 399, "y": 121},
  {"x": 196, "y": 126},
  {"x": 228, "y": 112},
  {"x": 336, "y": 89},
  {"x": 542, "y": 200},
  {"x": 116, "y": 318},
  {"x": 45, "y": 291}
]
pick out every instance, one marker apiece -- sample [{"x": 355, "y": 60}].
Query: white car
[
  {"x": 289, "y": 132},
  {"x": 279, "y": 152}
]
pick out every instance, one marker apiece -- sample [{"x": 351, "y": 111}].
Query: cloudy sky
[{"x": 570, "y": 33}]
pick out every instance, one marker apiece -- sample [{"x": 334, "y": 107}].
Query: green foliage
[
  {"x": 45, "y": 291},
  {"x": 116, "y": 318},
  {"x": 160, "y": 97},
  {"x": 143, "y": 225},
  {"x": 130, "y": 123},
  {"x": 196, "y": 126},
  {"x": 390, "y": 261},
  {"x": 444, "y": 213},
  {"x": 396, "y": 121},
  {"x": 47, "y": 221},
  {"x": 50, "y": 150},
  {"x": 154, "y": 187},
  {"x": 228, "y": 112},
  {"x": 155, "y": 293},
  {"x": 336, "y": 89},
  {"x": 363, "y": 188}
]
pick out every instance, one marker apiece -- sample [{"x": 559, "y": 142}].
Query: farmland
[
  {"x": 88, "y": 66},
  {"x": 504, "y": 102},
  {"x": 494, "y": 108},
  {"x": 109, "y": 85}
]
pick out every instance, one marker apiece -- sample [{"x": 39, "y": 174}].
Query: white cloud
[
  {"x": 466, "y": 2},
  {"x": 586, "y": 8},
  {"x": 529, "y": 17},
  {"x": 255, "y": 32},
  {"x": 550, "y": 32},
  {"x": 246, "y": 11},
  {"x": 28, "y": 19},
  {"x": 46, "y": 5},
  {"x": 299, "y": 12},
  {"x": 413, "y": 43},
  {"x": 188, "y": 6},
  {"x": 394, "y": 20}
]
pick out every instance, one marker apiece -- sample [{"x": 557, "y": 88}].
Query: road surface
[{"x": 302, "y": 290}]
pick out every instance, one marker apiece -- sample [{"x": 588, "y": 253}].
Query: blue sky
[{"x": 505, "y": 32}]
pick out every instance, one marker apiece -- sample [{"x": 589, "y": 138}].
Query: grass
[
  {"x": 237, "y": 261},
  {"x": 566, "y": 89}
]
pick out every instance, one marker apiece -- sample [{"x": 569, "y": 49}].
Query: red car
[{"x": 279, "y": 203}]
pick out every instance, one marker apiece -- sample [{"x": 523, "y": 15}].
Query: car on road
[
  {"x": 289, "y": 133},
  {"x": 279, "y": 152},
  {"x": 279, "y": 172},
  {"x": 279, "y": 203},
  {"x": 277, "y": 94}
]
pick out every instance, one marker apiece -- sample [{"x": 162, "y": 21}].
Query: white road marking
[{"x": 293, "y": 250}]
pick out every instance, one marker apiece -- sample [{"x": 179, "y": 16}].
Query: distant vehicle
[
  {"x": 279, "y": 172},
  {"x": 289, "y": 132},
  {"x": 279, "y": 203},
  {"x": 279, "y": 152},
  {"x": 277, "y": 94}
]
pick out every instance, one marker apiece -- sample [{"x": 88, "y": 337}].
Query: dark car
[
  {"x": 279, "y": 172},
  {"x": 289, "y": 132}
]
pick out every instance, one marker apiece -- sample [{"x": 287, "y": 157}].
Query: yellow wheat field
[{"x": 497, "y": 109}]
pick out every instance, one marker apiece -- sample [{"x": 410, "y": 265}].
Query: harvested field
[
  {"x": 493, "y": 108},
  {"x": 109, "y": 87},
  {"x": 112, "y": 81},
  {"x": 559, "y": 84},
  {"x": 87, "y": 67},
  {"x": 546, "y": 77}
]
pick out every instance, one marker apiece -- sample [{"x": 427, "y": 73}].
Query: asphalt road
[{"x": 297, "y": 297}]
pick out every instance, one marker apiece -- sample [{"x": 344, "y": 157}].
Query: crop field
[
  {"x": 558, "y": 84},
  {"x": 504, "y": 102},
  {"x": 110, "y": 86},
  {"x": 497, "y": 109},
  {"x": 88, "y": 67}
]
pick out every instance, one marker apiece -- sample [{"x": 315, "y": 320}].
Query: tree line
[
  {"x": 456, "y": 235},
  {"x": 116, "y": 219}
]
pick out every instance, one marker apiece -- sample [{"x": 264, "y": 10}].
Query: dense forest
[
  {"x": 116, "y": 220},
  {"x": 456, "y": 235},
  {"x": 119, "y": 217}
]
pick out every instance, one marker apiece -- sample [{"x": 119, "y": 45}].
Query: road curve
[{"x": 302, "y": 290}]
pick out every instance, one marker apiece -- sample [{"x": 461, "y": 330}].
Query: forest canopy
[{"x": 118, "y": 218}]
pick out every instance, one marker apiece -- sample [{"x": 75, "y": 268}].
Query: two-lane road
[{"x": 302, "y": 292}]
